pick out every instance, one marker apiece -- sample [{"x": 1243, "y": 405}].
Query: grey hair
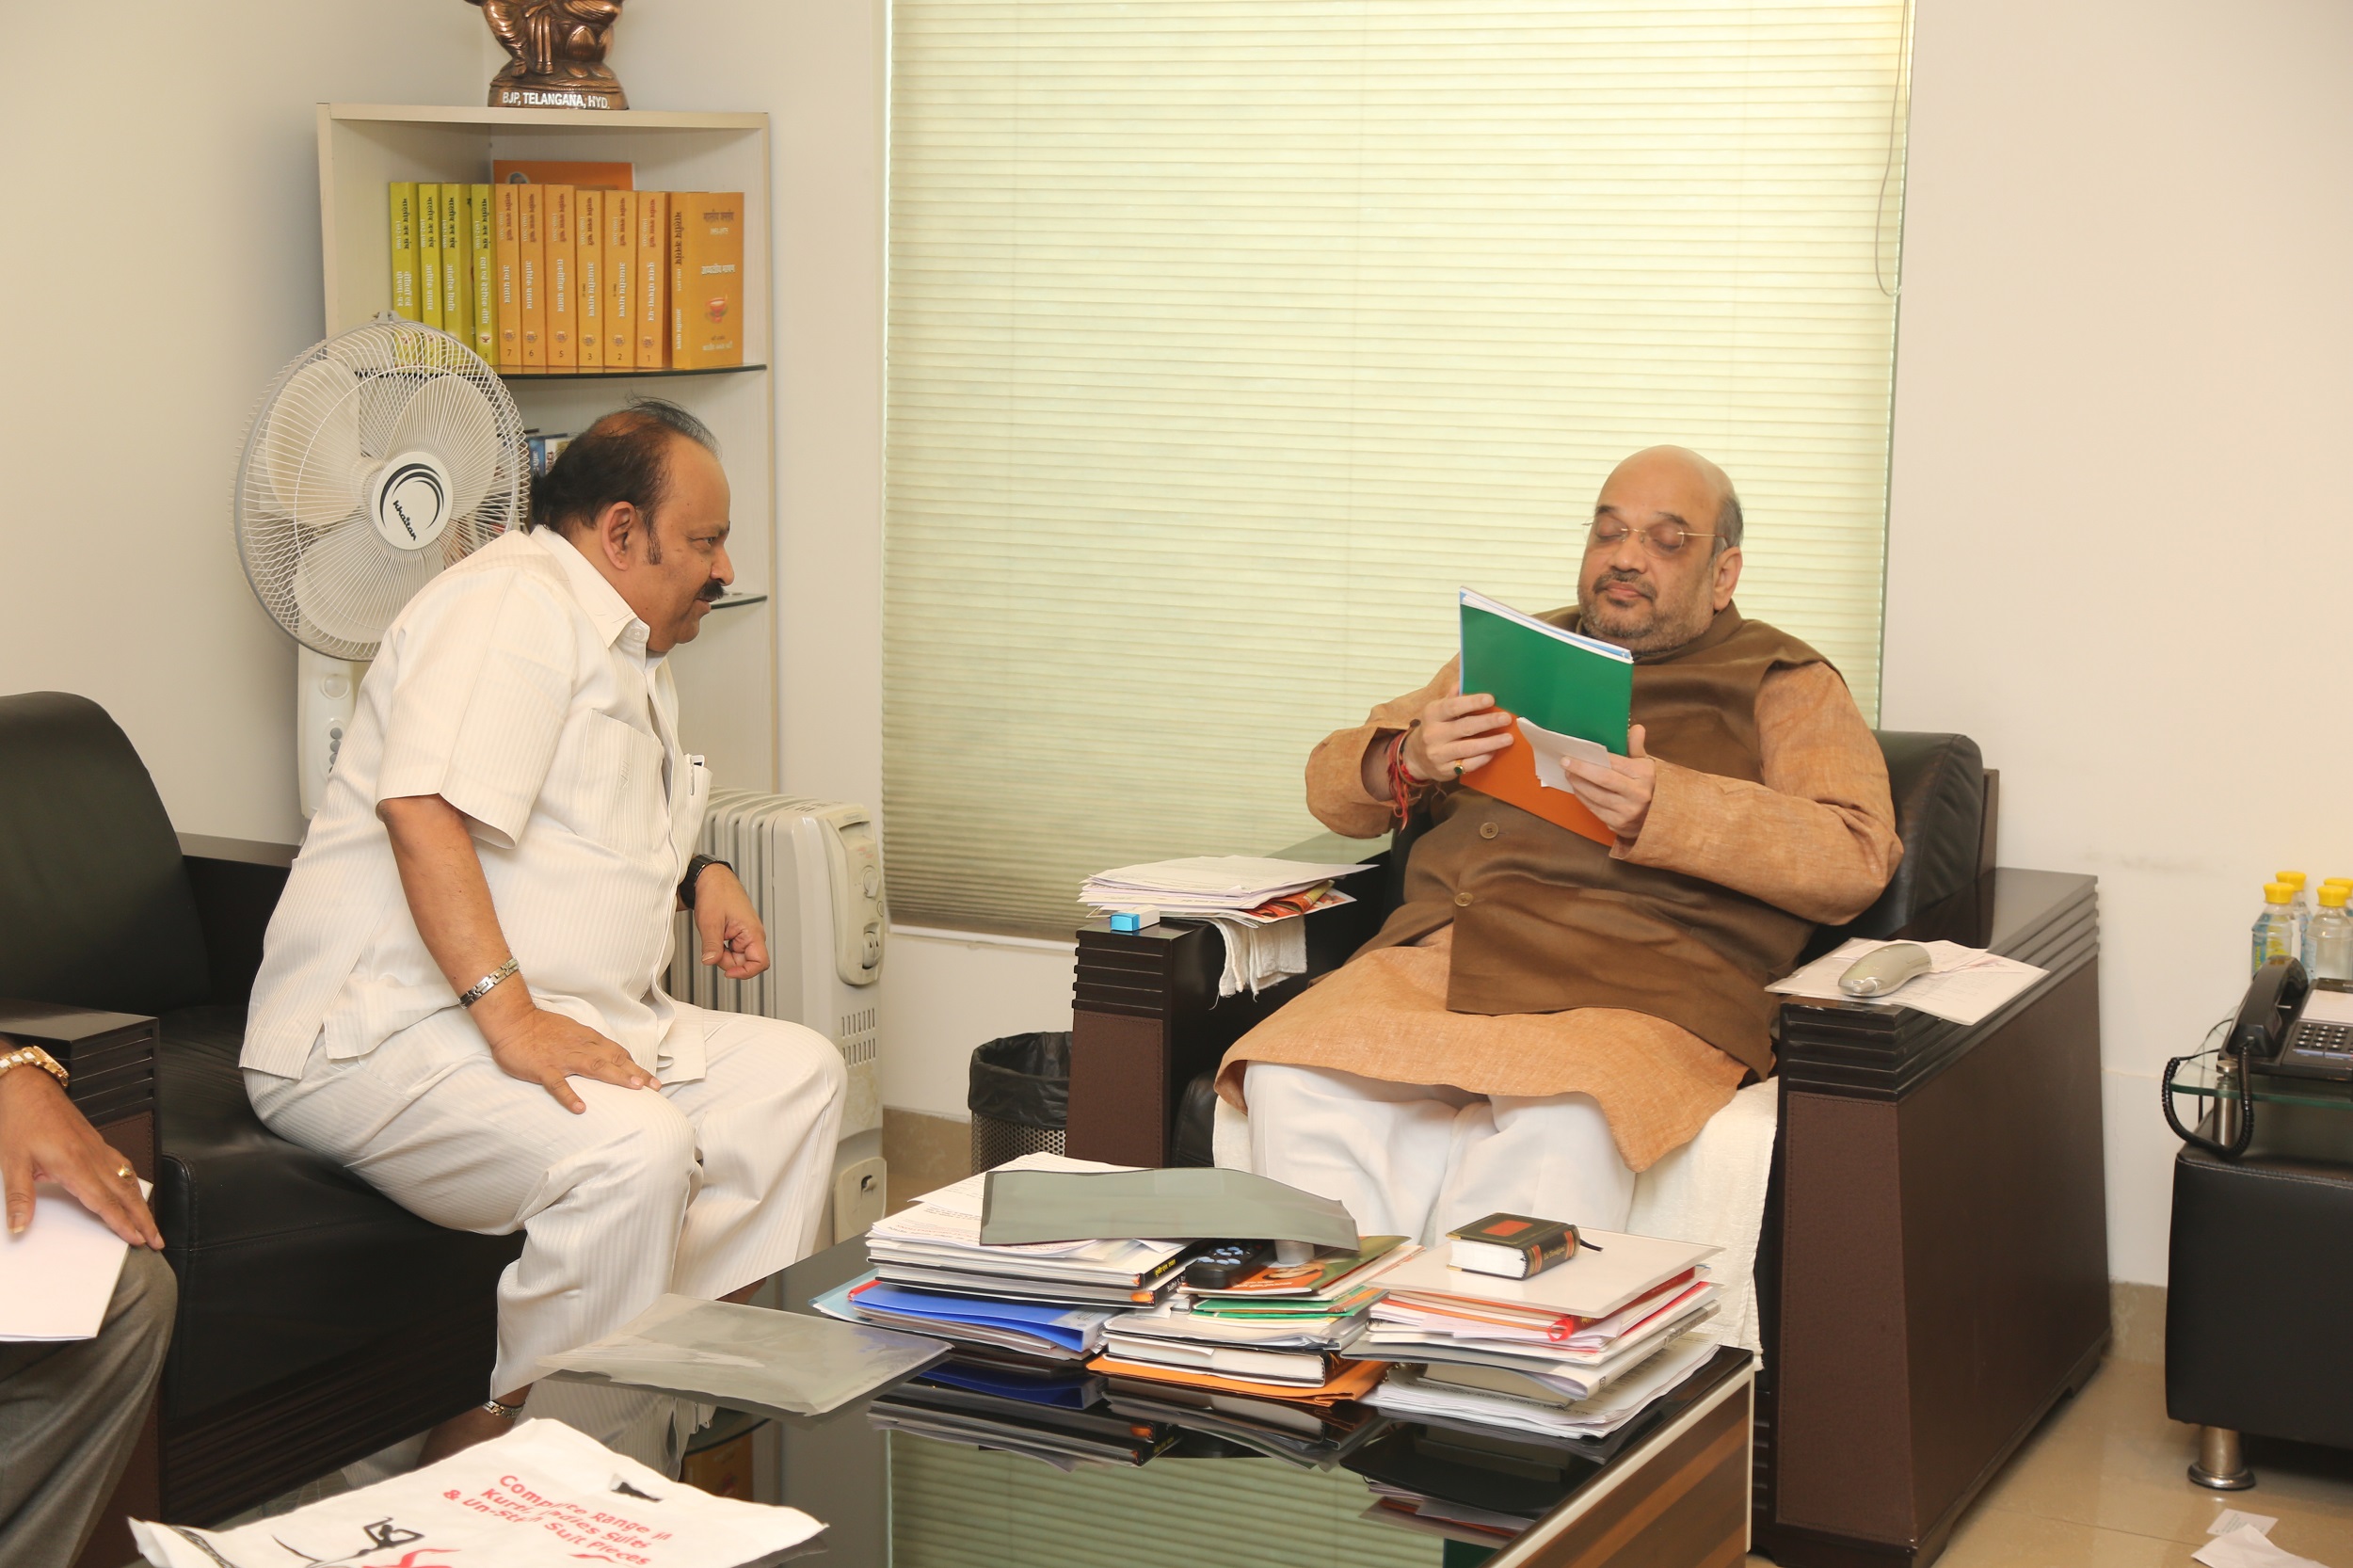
[{"x": 1728, "y": 522}]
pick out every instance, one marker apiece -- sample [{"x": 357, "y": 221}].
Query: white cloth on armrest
[{"x": 1711, "y": 1189}]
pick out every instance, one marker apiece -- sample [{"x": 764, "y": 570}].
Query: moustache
[
  {"x": 1634, "y": 580},
  {"x": 713, "y": 591}
]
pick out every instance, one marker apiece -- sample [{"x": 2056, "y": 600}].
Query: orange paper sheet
[{"x": 1512, "y": 778}]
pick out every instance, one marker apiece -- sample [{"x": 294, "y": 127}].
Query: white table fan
[{"x": 377, "y": 460}]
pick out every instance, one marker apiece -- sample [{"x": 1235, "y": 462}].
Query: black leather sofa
[
  {"x": 1905, "y": 1357},
  {"x": 318, "y": 1321}
]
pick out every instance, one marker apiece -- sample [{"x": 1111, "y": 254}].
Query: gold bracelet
[{"x": 33, "y": 1056}]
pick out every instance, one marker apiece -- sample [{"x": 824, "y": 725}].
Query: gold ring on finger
[{"x": 125, "y": 1171}]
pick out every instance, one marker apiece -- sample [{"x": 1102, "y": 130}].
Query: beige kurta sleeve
[
  {"x": 1816, "y": 838},
  {"x": 1336, "y": 769}
]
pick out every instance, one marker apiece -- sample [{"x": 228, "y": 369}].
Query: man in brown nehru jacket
[{"x": 1546, "y": 1015}]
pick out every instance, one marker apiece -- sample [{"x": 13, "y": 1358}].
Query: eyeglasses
[{"x": 1658, "y": 538}]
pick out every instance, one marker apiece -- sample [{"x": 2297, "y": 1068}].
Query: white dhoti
[
  {"x": 698, "y": 1187},
  {"x": 1418, "y": 1160}
]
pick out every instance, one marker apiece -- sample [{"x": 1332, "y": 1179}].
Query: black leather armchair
[
  {"x": 1904, "y": 1361},
  {"x": 318, "y": 1321}
]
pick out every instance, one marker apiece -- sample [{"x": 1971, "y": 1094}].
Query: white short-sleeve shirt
[{"x": 516, "y": 686}]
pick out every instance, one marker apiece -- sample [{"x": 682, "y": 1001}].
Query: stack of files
[
  {"x": 1252, "y": 901},
  {"x": 1479, "y": 1396},
  {"x": 1474, "y": 1485},
  {"x": 1288, "y": 1325},
  {"x": 1297, "y": 1351},
  {"x": 1066, "y": 1387},
  {"x": 936, "y": 1246},
  {"x": 1349, "y": 1380},
  {"x": 1313, "y": 1437},
  {"x": 1236, "y": 886},
  {"x": 1043, "y": 1331},
  {"x": 1062, "y": 1435},
  {"x": 1569, "y": 1332}
]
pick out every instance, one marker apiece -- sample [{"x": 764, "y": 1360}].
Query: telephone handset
[
  {"x": 2288, "y": 1025},
  {"x": 2274, "y": 1002}
]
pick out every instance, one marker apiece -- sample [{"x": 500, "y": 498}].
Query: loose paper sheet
[
  {"x": 2249, "y": 1548},
  {"x": 1965, "y": 986},
  {"x": 543, "y": 1495},
  {"x": 57, "y": 1279}
]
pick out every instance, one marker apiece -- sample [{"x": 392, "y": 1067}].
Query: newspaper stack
[{"x": 1253, "y": 902}]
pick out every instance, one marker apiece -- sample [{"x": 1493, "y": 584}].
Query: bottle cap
[
  {"x": 2339, "y": 882},
  {"x": 2332, "y": 895},
  {"x": 2293, "y": 879},
  {"x": 2278, "y": 892}
]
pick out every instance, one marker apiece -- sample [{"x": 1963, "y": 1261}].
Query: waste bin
[{"x": 1019, "y": 1098}]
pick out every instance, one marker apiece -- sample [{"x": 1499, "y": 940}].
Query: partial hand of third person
[
  {"x": 42, "y": 1137},
  {"x": 548, "y": 1049},
  {"x": 1457, "y": 734}
]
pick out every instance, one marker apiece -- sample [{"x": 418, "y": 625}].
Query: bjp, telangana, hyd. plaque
[{"x": 555, "y": 54}]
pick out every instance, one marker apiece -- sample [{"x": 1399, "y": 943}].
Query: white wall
[
  {"x": 162, "y": 192},
  {"x": 2117, "y": 543},
  {"x": 946, "y": 996}
]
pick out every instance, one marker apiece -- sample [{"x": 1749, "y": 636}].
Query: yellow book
[
  {"x": 456, "y": 278},
  {"x": 563, "y": 278},
  {"x": 621, "y": 267},
  {"x": 706, "y": 279},
  {"x": 506, "y": 264},
  {"x": 653, "y": 325},
  {"x": 589, "y": 273},
  {"x": 482, "y": 272},
  {"x": 429, "y": 253},
  {"x": 531, "y": 268},
  {"x": 404, "y": 213}
]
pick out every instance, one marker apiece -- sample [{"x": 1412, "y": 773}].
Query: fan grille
[{"x": 320, "y": 444}]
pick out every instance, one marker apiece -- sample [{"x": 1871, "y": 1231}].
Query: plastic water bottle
[
  {"x": 2275, "y": 928},
  {"x": 2329, "y": 941},
  {"x": 2300, "y": 906}
]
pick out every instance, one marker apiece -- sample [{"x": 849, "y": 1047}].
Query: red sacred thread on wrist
[{"x": 1400, "y": 781}]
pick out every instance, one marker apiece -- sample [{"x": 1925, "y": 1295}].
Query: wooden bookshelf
[{"x": 727, "y": 677}]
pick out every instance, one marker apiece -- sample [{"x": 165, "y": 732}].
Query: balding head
[
  {"x": 1648, "y": 597},
  {"x": 1675, "y": 463}
]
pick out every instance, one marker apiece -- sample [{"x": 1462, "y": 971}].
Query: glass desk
[{"x": 890, "y": 1495}]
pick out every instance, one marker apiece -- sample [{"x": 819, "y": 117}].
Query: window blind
[{"x": 1228, "y": 337}]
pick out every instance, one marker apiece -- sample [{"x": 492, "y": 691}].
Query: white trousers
[
  {"x": 699, "y": 1188},
  {"x": 1418, "y": 1160}
]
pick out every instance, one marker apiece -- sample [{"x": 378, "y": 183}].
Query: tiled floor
[{"x": 2101, "y": 1485}]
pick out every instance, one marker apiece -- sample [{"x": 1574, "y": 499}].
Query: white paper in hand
[
  {"x": 1553, "y": 751},
  {"x": 57, "y": 1279},
  {"x": 541, "y": 1497}
]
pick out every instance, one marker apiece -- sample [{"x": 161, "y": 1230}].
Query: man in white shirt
[{"x": 460, "y": 997}]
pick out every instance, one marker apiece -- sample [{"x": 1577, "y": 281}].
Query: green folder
[{"x": 1556, "y": 679}]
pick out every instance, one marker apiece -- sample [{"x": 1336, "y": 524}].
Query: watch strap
[{"x": 694, "y": 869}]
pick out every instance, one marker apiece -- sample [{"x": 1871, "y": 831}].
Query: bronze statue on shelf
[{"x": 557, "y": 54}]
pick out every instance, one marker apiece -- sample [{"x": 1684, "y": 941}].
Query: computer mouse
[{"x": 1882, "y": 970}]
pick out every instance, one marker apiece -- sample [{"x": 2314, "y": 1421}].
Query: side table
[{"x": 2260, "y": 1270}]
